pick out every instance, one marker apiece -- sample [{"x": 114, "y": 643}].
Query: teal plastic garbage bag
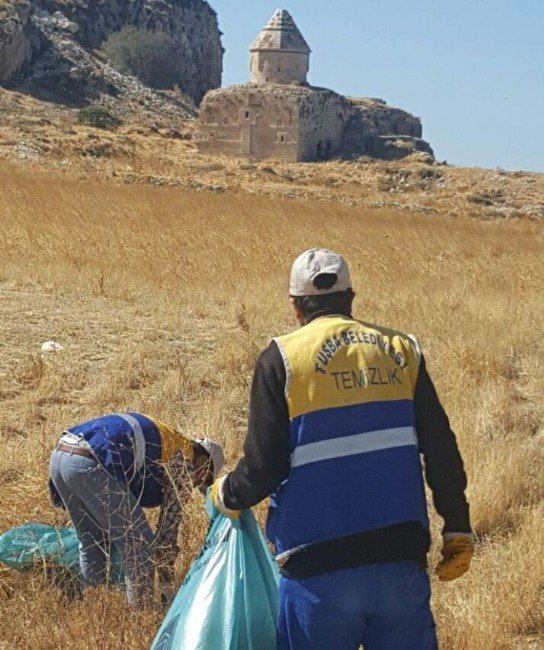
[
  {"x": 25, "y": 546},
  {"x": 31, "y": 544},
  {"x": 228, "y": 600}
]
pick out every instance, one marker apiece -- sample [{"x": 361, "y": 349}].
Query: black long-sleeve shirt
[{"x": 265, "y": 464}]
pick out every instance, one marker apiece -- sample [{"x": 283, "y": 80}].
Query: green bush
[
  {"x": 98, "y": 117},
  {"x": 148, "y": 55}
]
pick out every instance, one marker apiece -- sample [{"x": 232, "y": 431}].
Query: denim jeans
[
  {"x": 104, "y": 512},
  {"x": 378, "y": 606}
]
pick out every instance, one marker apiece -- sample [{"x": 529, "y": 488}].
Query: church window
[{"x": 247, "y": 115}]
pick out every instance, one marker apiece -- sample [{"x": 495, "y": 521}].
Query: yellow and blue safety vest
[
  {"x": 355, "y": 463},
  {"x": 133, "y": 448}
]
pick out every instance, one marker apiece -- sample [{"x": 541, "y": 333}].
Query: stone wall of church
[
  {"x": 250, "y": 121},
  {"x": 279, "y": 67},
  {"x": 324, "y": 116}
]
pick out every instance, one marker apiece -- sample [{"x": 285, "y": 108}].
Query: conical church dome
[
  {"x": 280, "y": 54},
  {"x": 281, "y": 34}
]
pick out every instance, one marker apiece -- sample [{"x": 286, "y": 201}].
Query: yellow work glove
[
  {"x": 457, "y": 551},
  {"x": 216, "y": 496}
]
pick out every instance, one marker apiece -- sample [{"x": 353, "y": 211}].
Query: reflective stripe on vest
[
  {"x": 139, "y": 440},
  {"x": 362, "y": 443}
]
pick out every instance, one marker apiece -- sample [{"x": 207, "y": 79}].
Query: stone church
[{"x": 278, "y": 115}]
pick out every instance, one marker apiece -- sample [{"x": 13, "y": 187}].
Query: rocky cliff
[
  {"x": 383, "y": 131},
  {"x": 38, "y": 36},
  {"x": 19, "y": 40}
]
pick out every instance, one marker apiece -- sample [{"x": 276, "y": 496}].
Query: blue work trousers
[
  {"x": 104, "y": 513},
  {"x": 377, "y": 606}
]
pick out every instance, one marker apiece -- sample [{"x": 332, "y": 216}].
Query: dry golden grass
[
  {"x": 162, "y": 298},
  {"x": 149, "y": 152}
]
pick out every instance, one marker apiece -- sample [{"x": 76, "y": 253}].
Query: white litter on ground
[{"x": 51, "y": 346}]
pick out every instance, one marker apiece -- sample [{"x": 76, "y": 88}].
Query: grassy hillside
[
  {"x": 158, "y": 148},
  {"x": 163, "y": 297}
]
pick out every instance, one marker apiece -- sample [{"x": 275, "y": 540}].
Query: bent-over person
[{"x": 105, "y": 471}]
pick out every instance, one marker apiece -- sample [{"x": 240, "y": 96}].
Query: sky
[{"x": 472, "y": 70}]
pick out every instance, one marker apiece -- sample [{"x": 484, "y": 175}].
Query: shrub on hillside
[
  {"x": 147, "y": 55},
  {"x": 98, "y": 117}
]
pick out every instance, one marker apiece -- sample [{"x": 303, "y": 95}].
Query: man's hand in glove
[
  {"x": 217, "y": 498},
  {"x": 457, "y": 551}
]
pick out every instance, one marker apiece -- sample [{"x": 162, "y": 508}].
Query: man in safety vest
[
  {"x": 105, "y": 471},
  {"x": 340, "y": 412}
]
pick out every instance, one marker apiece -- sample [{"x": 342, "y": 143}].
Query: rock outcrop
[
  {"x": 39, "y": 38},
  {"x": 70, "y": 75},
  {"x": 380, "y": 118},
  {"x": 382, "y": 131},
  {"x": 19, "y": 40}
]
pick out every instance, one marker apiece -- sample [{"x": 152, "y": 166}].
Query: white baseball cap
[
  {"x": 215, "y": 452},
  {"x": 313, "y": 263}
]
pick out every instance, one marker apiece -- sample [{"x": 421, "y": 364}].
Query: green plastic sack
[
  {"x": 32, "y": 544},
  {"x": 229, "y": 599}
]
